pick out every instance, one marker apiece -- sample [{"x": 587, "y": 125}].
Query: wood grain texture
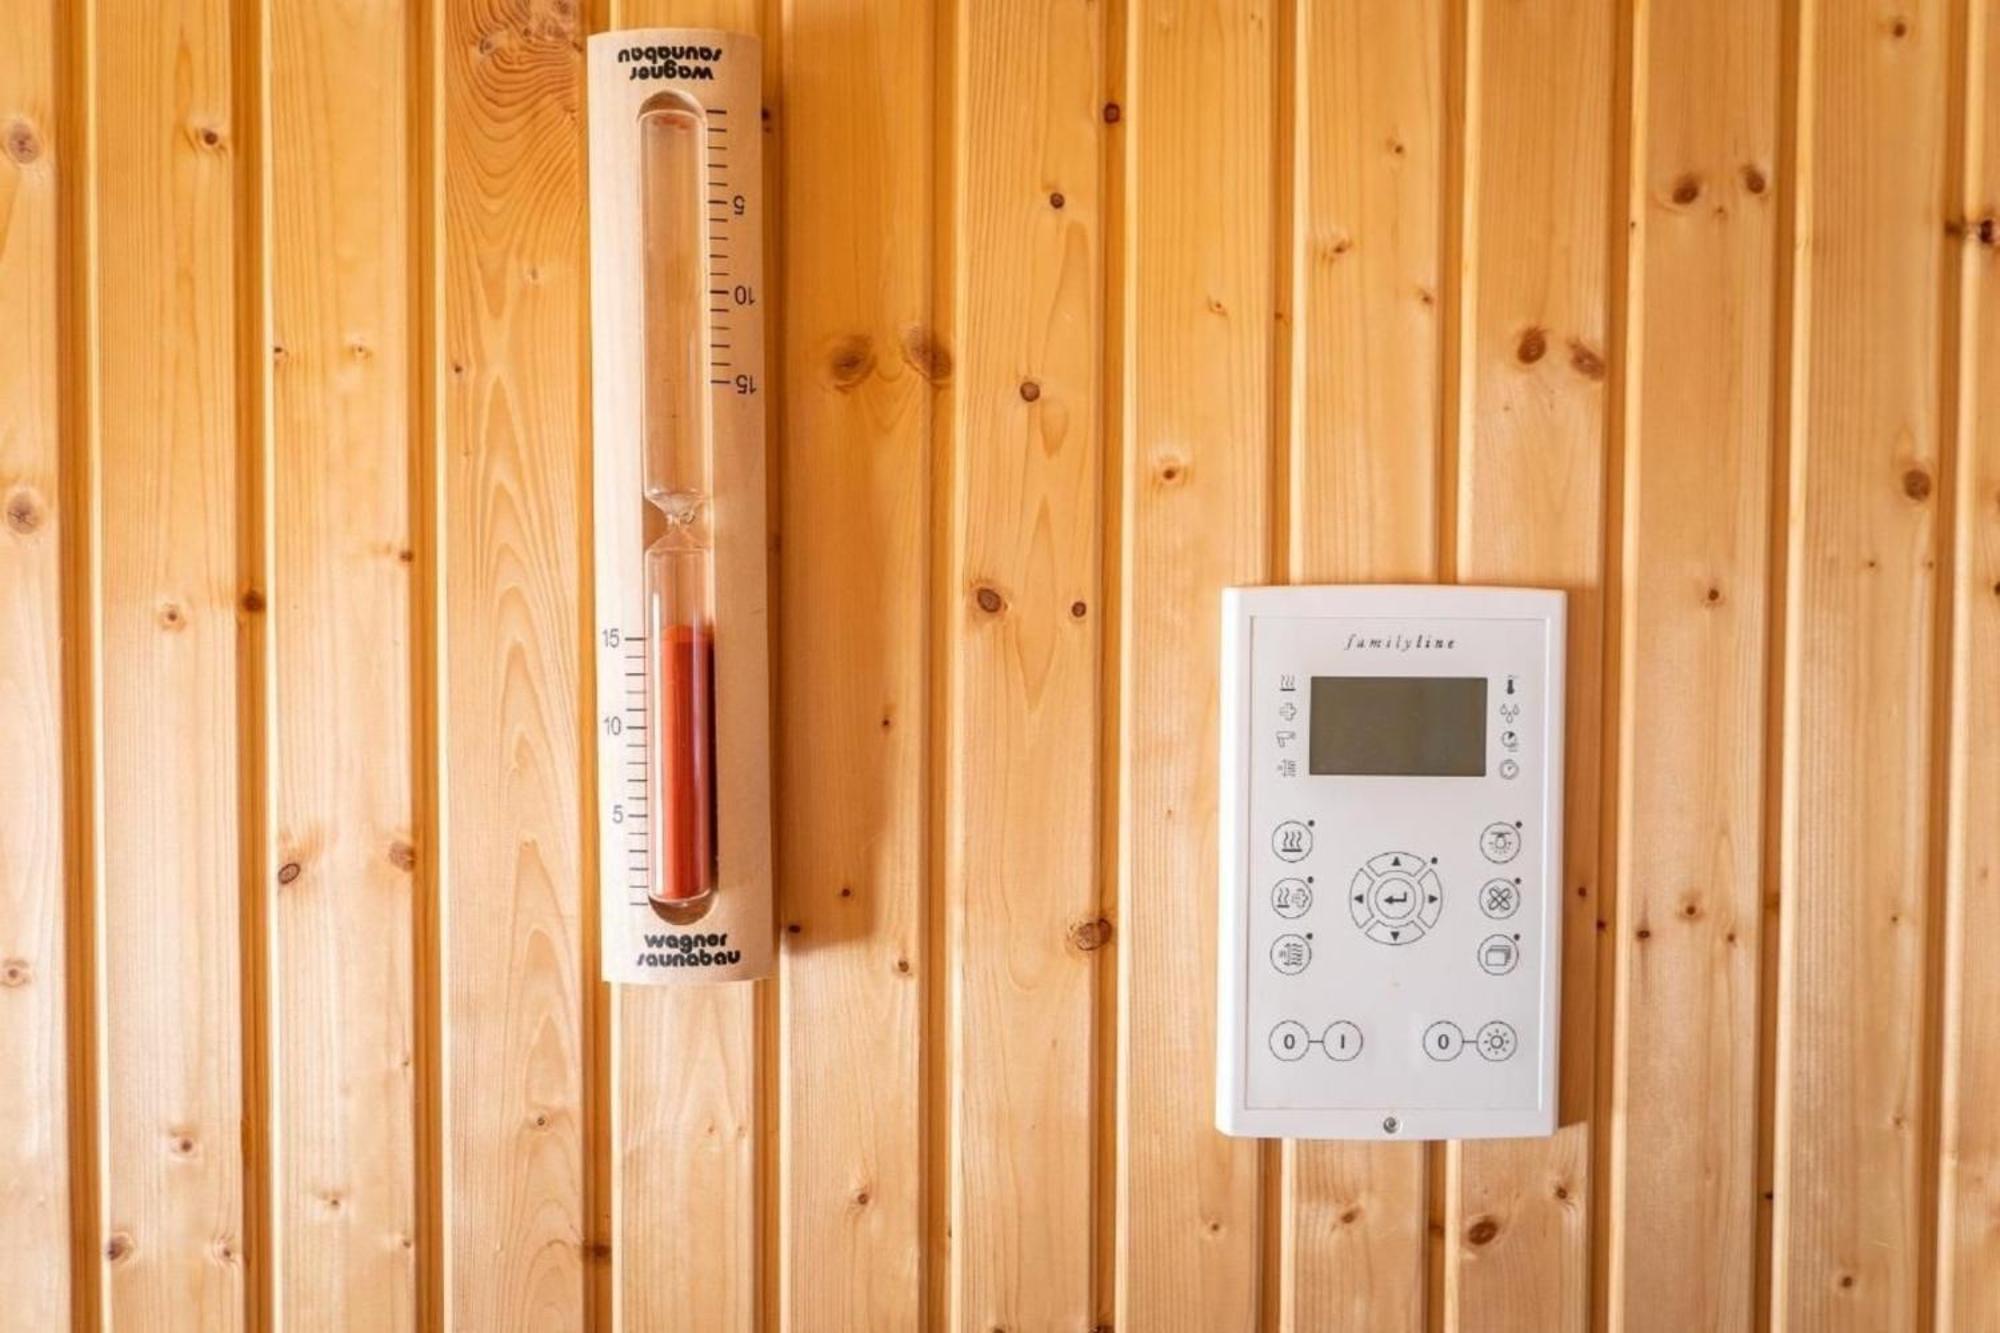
[
  {"x": 344, "y": 852},
  {"x": 1364, "y": 495},
  {"x": 294, "y": 568},
  {"x": 1024, "y": 939},
  {"x": 1697, "y": 476},
  {"x": 863, "y": 369},
  {"x": 1850, "y": 1247},
  {"x": 167, "y": 501},
  {"x": 34, "y": 975},
  {"x": 1196, "y": 482},
  {"x": 1968, "y": 1272},
  {"x": 513, "y": 822},
  {"x": 688, "y": 1237},
  {"x": 1530, "y": 490}
]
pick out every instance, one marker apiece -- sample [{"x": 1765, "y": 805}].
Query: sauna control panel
[{"x": 1391, "y": 841}]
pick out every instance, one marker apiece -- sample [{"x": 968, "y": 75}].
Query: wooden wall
[{"x": 1082, "y": 309}]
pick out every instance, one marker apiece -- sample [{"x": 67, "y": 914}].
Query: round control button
[
  {"x": 1500, "y": 898},
  {"x": 1290, "y": 954},
  {"x": 1289, "y": 1040},
  {"x": 1342, "y": 1041},
  {"x": 1498, "y": 954},
  {"x": 1509, "y": 769},
  {"x": 1443, "y": 1041},
  {"x": 1357, "y": 899},
  {"x": 1292, "y": 898},
  {"x": 1431, "y": 901},
  {"x": 1393, "y": 899},
  {"x": 1500, "y": 842},
  {"x": 1496, "y": 1040},
  {"x": 1384, "y": 933},
  {"x": 1395, "y": 863},
  {"x": 1292, "y": 841}
]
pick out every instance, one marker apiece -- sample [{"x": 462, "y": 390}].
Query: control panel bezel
[{"x": 1358, "y": 1003}]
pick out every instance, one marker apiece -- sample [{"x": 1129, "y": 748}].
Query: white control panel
[{"x": 1390, "y": 940}]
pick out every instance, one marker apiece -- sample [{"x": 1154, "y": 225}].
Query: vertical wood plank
[
  {"x": 1530, "y": 511},
  {"x": 1021, "y": 853},
  {"x": 166, "y": 148},
  {"x": 689, "y": 1079},
  {"x": 34, "y": 1154},
  {"x": 1853, "y": 1208},
  {"x": 1364, "y": 498},
  {"x": 1968, "y": 1276},
  {"x": 863, "y": 368},
  {"x": 344, "y": 849},
  {"x": 1197, "y": 480},
  {"x": 513, "y": 824},
  {"x": 1689, "y": 825}
]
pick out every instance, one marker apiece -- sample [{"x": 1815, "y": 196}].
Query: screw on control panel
[{"x": 1390, "y": 1124}]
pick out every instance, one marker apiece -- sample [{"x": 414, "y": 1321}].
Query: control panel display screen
[{"x": 1400, "y": 726}]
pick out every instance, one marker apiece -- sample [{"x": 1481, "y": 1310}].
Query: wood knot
[
  {"x": 926, "y": 355},
  {"x": 182, "y": 1145},
  {"x": 1642, "y": 934},
  {"x": 1754, "y": 180},
  {"x": 1687, "y": 189},
  {"x": 1846, "y": 1281},
  {"x": 1482, "y": 1232},
  {"x": 1030, "y": 391},
  {"x": 253, "y": 601},
  {"x": 288, "y": 872},
  {"x": 1561, "y": 1193},
  {"x": 23, "y": 144},
  {"x": 1078, "y": 610},
  {"x": 1690, "y": 910},
  {"x": 225, "y": 1250},
  {"x": 600, "y": 1251},
  {"x": 1712, "y": 596},
  {"x": 117, "y": 1247},
  {"x": 24, "y": 511},
  {"x": 402, "y": 855},
  {"x": 793, "y": 927},
  {"x": 1349, "y": 1216},
  {"x": 332, "y": 1200},
  {"x": 850, "y": 360},
  {"x": 1533, "y": 346},
  {"x": 1899, "y": 28},
  {"x": 15, "y": 973},
  {"x": 171, "y": 617},
  {"x": 210, "y": 136},
  {"x": 1917, "y": 484},
  {"x": 541, "y": 1120},
  {"x": 1113, "y": 113},
  {"x": 847, "y": 890},
  {"x": 1056, "y": 199},
  {"x": 1172, "y": 472},
  {"x": 1337, "y": 246},
  {"x": 989, "y": 599},
  {"x": 903, "y": 967},
  {"x": 1987, "y": 230},
  {"x": 1585, "y": 360},
  {"x": 861, "y": 1198},
  {"x": 1090, "y": 936},
  {"x": 406, "y": 556}
]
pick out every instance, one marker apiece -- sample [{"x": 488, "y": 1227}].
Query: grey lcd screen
[{"x": 1406, "y": 726}]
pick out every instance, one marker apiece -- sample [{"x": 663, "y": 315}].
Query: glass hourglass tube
[{"x": 678, "y": 447}]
